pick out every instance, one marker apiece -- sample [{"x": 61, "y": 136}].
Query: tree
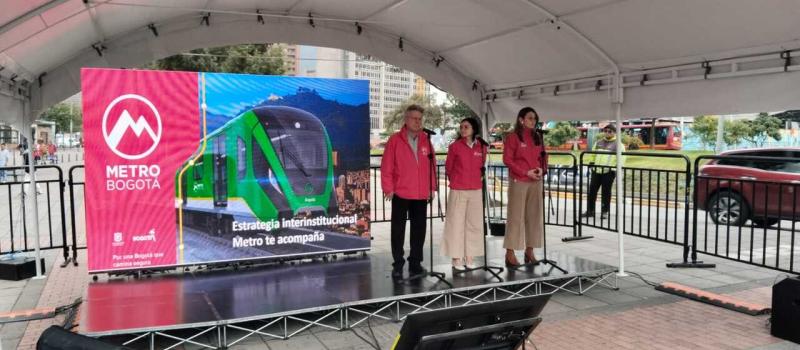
[
  {"x": 560, "y": 134},
  {"x": 62, "y": 113},
  {"x": 704, "y": 129},
  {"x": 433, "y": 118},
  {"x": 736, "y": 131},
  {"x": 248, "y": 58},
  {"x": 762, "y": 128},
  {"x": 456, "y": 111}
]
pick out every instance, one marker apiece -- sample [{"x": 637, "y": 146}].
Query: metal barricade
[
  {"x": 655, "y": 201},
  {"x": 749, "y": 211},
  {"x": 15, "y": 235}
]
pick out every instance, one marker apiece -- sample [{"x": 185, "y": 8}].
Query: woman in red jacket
[
  {"x": 462, "y": 230},
  {"x": 525, "y": 156}
]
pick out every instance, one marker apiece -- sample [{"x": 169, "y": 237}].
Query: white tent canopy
[
  {"x": 577, "y": 59},
  {"x": 507, "y": 46}
]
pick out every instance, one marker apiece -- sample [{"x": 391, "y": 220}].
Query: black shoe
[
  {"x": 417, "y": 270},
  {"x": 397, "y": 273},
  {"x": 587, "y": 214},
  {"x": 604, "y": 216}
]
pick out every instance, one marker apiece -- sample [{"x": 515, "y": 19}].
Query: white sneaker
[{"x": 457, "y": 264}]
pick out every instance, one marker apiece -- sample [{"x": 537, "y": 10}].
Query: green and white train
[{"x": 268, "y": 163}]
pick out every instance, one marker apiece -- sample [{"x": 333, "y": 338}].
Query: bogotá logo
[{"x": 131, "y": 118}]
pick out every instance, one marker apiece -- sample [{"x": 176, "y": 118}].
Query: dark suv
[{"x": 735, "y": 190}]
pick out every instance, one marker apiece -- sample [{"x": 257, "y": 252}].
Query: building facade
[{"x": 389, "y": 86}]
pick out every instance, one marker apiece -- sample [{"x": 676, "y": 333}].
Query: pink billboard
[
  {"x": 193, "y": 168},
  {"x": 139, "y": 127}
]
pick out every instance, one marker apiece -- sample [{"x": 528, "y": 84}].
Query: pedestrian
[
  {"x": 408, "y": 179},
  {"x": 466, "y": 156},
  {"x": 4, "y": 157},
  {"x": 51, "y": 152},
  {"x": 526, "y": 158},
  {"x": 604, "y": 170}
]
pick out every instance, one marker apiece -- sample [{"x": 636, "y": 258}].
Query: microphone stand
[
  {"x": 430, "y": 273},
  {"x": 484, "y": 209}
]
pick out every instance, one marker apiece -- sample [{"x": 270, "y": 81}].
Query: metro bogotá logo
[{"x": 128, "y": 126}]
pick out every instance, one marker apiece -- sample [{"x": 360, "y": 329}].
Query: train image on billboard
[{"x": 268, "y": 163}]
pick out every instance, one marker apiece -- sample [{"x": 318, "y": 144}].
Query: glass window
[
  {"x": 661, "y": 135},
  {"x": 198, "y": 169},
  {"x": 241, "y": 158},
  {"x": 790, "y": 167}
]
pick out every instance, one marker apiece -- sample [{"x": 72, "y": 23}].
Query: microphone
[{"x": 429, "y": 131}]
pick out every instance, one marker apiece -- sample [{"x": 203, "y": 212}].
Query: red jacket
[
  {"x": 520, "y": 157},
  {"x": 401, "y": 173},
  {"x": 464, "y": 164}
]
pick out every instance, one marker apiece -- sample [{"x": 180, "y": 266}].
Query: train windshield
[{"x": 299, "y": 141}]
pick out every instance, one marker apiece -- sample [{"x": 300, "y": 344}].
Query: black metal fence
[
  {"x": 382, "y": 210},
  {"x": 732, "y": 214},
  {"x": 559, "y": 191},
  {"x": 15, "y": 230},
  {"x": 77, "y": 208},
  {"x": 655, "y": 203},
  {"x": 746, "y": 210}
]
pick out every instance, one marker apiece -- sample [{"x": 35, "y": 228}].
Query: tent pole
[
  {"x": 620, "y": 191},
  {"x": 33, "y": 202}
]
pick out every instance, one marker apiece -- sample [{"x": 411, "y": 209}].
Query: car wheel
[
  {"x": 761, "y": 222},
  {"x": 728, "y": 208}
]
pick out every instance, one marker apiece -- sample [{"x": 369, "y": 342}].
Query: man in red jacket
[{"x": 408, "y": 181}]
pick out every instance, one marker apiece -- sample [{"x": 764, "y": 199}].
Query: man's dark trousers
[
  {"x": 605, "y": 180},
  {"x": 414, "y": 210}
]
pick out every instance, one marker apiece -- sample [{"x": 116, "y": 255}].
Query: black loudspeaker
[
  {"x": 786, "y": 309},
  {"x": 57, "y": 338},
  {"x": 497, "y": 228}
]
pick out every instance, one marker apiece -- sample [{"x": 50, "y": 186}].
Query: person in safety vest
[{"x": 604, "y": 170}]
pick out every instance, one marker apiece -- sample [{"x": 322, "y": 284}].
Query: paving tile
[
  {"x": 554, "y": 307},
  {"x": 305, "y": 342},
  {"x": 702, "y": 283},
  {"x": 644, "y": 292},
  {"x": 577, "y": 302},
  {"x": 726, "y": 279},
  {"x": 614, "y": 297}
]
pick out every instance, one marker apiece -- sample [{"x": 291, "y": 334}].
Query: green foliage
[
  {"x": 433, "y": 118},
  {"x": 456, "y": 111},
  {"x": 62, "y": 113},
  {"x": 499, "y": 131},
  {"x": 704, "y": 129},
  {"x": 736, "y": 131},
  {"x": 762, "y": 128},
  {"x": 631, "y": 143},
  {"x": 756, "y": 131},
  {"x": 560, "y": 134},
  {"x": 248, "y": 58}
]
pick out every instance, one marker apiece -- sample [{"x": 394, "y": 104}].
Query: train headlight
[{"x": 274, "y": 182}]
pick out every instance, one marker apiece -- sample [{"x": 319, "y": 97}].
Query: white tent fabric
[
  {"x": 505, "y": 45},
  {"x": 578, "y": 59}
]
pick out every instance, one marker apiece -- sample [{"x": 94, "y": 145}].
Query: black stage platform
[{"x": 351, "y": 288}]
